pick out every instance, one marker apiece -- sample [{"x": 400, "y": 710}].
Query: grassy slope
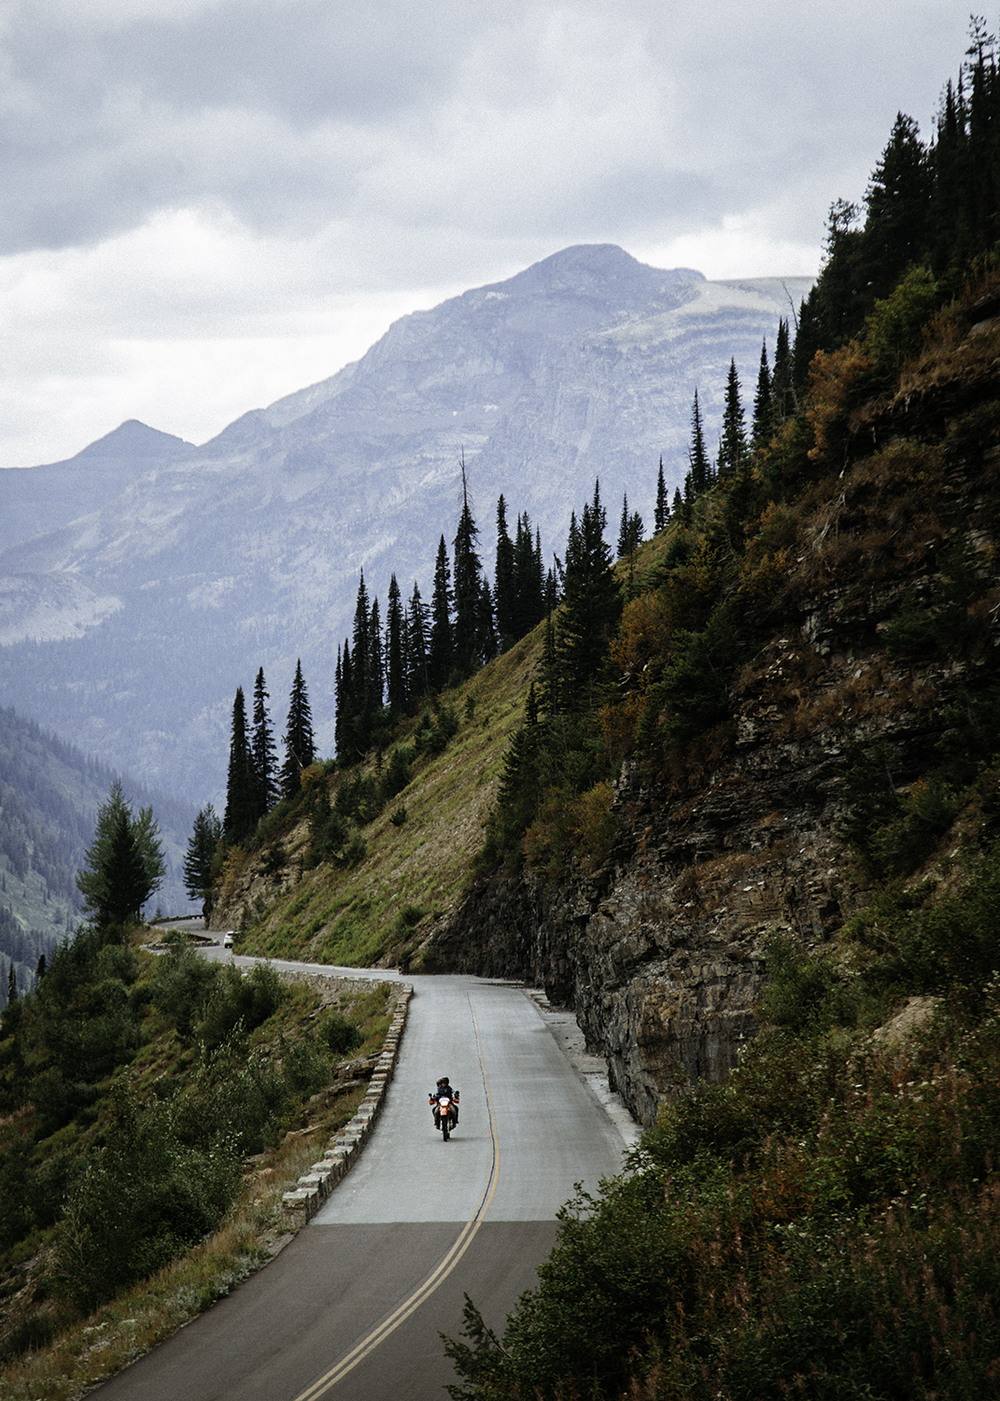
[{"x": 419, "y": 869}]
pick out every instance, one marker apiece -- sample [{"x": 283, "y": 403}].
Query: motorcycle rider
[{"x": 443, "y": 1090}]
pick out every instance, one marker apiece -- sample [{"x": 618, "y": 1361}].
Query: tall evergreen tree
[
  {"x": 590, "y": 609},
  {"x": 241, "y": 789},
  {"x": 417, "y": 642},
  {"x": 300, "y": 743},
  {"x": 529, "y": 607},
  {"x": 263, "y": 751},
  {"x": 661, "y": 511},
  {"x": 467, "y": 639},
  {"x": 124, "y": 863},
  {"x": 395, "y": 651},
  {"x": 343, "y": 724},
  {"x": 630, "y": 530},
  {"x": 700, "y": 475},
  {"x": 763, "y": 413},
  {"x": 441, "y": 649},
  {"x": 200, "y": 858},
  {"x": 503, "y": 580},
  {"x": 898, "y": 208},
  {"x": 733, "y": 440},
  {"x": 782, "y": 379}
]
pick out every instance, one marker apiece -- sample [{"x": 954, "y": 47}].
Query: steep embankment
[
  {"x": 858, "y": 706},
  {"x": 801, "y": 696}
]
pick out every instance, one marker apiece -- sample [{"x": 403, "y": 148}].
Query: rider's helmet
[{"x": 443, "y": 1081}]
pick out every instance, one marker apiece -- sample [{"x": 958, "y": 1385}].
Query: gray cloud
[{"x": 185, "y": 177}]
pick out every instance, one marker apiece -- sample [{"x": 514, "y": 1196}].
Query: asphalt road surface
[{"x": 353, "y": 1307}]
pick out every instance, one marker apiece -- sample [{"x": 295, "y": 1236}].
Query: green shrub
[{"x": 339, "y": 1035}]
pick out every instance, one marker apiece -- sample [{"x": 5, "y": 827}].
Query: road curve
[{"x": 353, "y": 1307}]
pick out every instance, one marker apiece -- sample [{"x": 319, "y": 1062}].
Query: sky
[{"x": 208, "y": 204}]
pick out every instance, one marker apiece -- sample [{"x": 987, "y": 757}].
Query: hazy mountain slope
[
  {"x": 35, "y": 500},
  {"x": 49, "y": 796},
  {"x": 246, "y": 552}
]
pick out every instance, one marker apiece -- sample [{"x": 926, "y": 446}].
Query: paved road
[{"x": 352, "y": 1309}]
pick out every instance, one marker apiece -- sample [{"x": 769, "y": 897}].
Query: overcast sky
[{"x": 210, "y": 203}]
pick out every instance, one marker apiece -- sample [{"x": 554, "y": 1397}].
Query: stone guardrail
[{"x": 316, "y": 1185}]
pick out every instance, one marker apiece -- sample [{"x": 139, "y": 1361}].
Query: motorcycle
[{"x": 444, "y": 1115}]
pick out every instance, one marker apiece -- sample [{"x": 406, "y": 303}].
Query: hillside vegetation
[
  {"x": 153, "y": 1106},
  {"x": 823, "y": 1221}
]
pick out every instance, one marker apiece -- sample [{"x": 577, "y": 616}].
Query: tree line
[{"x": 933, "y": 205}]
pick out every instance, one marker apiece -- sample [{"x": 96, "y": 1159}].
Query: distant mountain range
[{"x": 145, "y": 579}]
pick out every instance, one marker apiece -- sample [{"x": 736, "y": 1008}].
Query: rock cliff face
[{"x": 661, "y": 953}]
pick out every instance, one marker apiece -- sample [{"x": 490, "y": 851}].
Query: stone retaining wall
[{"x": 316, "y": 1185}]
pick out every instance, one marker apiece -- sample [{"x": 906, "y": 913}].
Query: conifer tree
[
  {"x": 661, "y": 511},
  {"x": 503, "y": 580},
  {"x": 124, "y": 863},
  {"x": 376, "y": 662},
  {"x": 417, "y": 640},
  {"x": 782, "y": 384},
  {"x": 395, "y": 652},
  {"x": 529, "y": 605},
  {"x": 199, "y": 860},
  {"x": 440, "y": 649},
  {"x": 763, "y": 414},
  {"x": 343, "y": 726},
  {"x": 590, "y": 608},
  {"x": 300, "y": 743},
  {"x": 263, "y": 751},
  {"x": 362, "y": 661},
  {"x": 898, "y": 206},
  {"x": 630, "y": 530},
  {"x": 467, "y": 639},
  {"x": 241, "y": 789},
  {"x": 733, "y": 440},
  {"x": 699, "y": 477}
]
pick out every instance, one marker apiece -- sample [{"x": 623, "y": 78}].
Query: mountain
[
  {"x": 129, "y": 628},
  {"x": 37, "y": 499},
  {"x": 49, "y": 796}
]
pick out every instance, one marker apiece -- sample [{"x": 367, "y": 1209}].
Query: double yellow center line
[{"x": 434, "y": 1280}]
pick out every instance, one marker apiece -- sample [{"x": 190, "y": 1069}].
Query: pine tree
[
  {"x": 733, "y": 441},
  {"x": 782, "y": 385},
  {"x": 417, "y": 639},
  {"x": 661, "y": 511},
  {"x": 263, "y": 751},
  {"x": 763, "y": 413},
  {"x": 898, "y": 205},
  {"x": 529, "y": 606},
  {"x": 300, "y": 744},
  {"x": 467, "y": 639},
  {"x": 503, "y": 580},
  {"x": 700, "y": 476},
  {"x": 343, "y": 725},
  {"x": 124, "y": 863},
  {"x": 590, "y": 608},
  {"x": 199, "y": 860},
  {"x": 241, "y": 789},
  {"x": 397, "y": 694},
  {"x": 440, "y": 650}
]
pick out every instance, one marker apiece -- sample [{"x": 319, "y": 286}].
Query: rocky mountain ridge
[{"x": 128, "y": 628}]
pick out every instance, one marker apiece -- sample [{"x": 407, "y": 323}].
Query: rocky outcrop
[{"x": 661, "y": 954}]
